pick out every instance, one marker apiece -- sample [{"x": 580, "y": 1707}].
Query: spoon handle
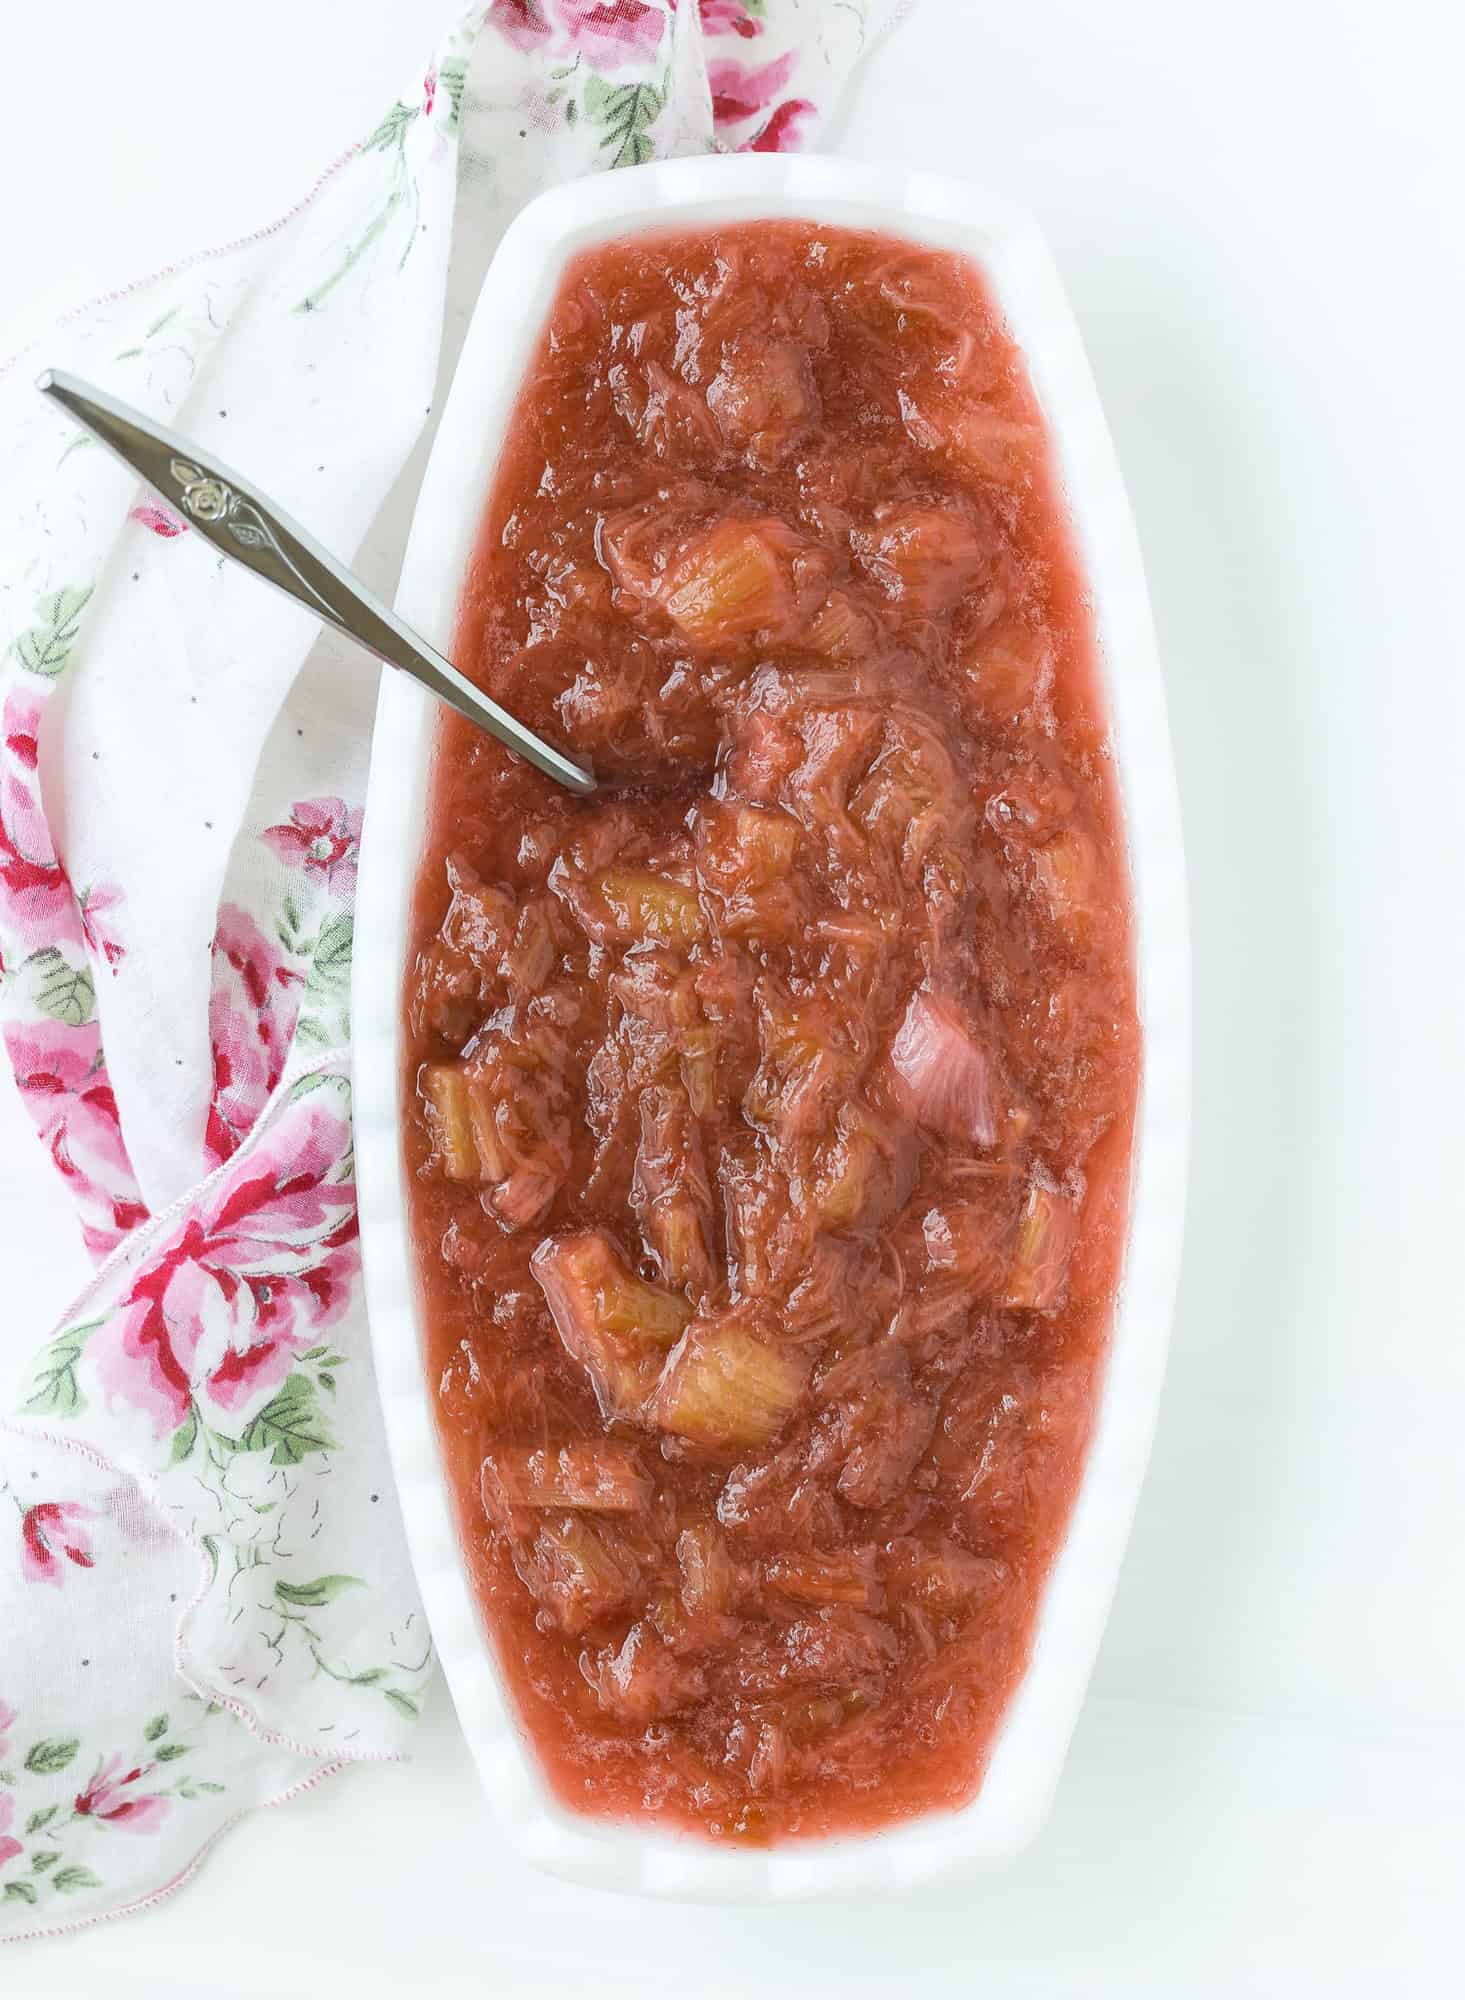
[{"x": 250, "y": 529}]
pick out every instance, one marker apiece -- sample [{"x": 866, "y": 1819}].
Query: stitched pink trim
[
  {"x": 184, "y": 263},
  {"x": 305, "y": 1784}
]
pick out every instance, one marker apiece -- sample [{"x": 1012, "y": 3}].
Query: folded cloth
[{"x": 205, "y": 1597}]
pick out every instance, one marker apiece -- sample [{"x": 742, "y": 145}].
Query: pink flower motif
[
  {"x": 218, "y": 1313},
  {"x": 162, "y": 520},
  {"x": 7, "y": 1717},
  {"x": 34, "y": 891},
  {"x": 9, "y": 1847},
  {"x": 50, "y": 1531},
  {"x": 720, "y": 17},
  {"x": 522, "y": 23},
  {"x": 324, "y": 837},
  {"x": 65, "y": 1088},
  {"x": 609, "y": 33},
  {"x": 429, "y": 92},
  {"x": 740, "y": 89},
  {"x": 252, "y": 1010},
  {"x": 95, "y": 904},
  {"x": 107, "y": 1797},
  {"x": 781, "y": 133}
]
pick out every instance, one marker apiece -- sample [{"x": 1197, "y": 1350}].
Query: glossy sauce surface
[{"x": 770, "y": 1111}]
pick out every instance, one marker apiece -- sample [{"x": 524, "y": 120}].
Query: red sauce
[{"x": 769, "y": 1113}]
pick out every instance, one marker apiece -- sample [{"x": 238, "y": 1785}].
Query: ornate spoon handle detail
[{"x": 244, "y": 525}]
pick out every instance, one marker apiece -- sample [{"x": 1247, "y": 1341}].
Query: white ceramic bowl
[{"x": 511, "y": 310}]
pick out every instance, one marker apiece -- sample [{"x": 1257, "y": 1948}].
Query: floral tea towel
[{"x": 205, "y": 1599}]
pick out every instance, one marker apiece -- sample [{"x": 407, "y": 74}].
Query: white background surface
[{"x": 1258, "y": 210}]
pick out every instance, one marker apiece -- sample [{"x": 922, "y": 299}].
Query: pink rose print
[
  {"x": 324, "y": 837},
  {"x": 611, "y": 32},
  {"x": 50, "y": 1531},
  {"x": 522, "y": 23},
  {"x": 720, "y": 17},
  {"x": 107, "y": 1797},
  {"x": 218, "y": 1313},
  {"x": 96, "y": 906},
  {"x": 252, "y": 1010},
  {"x": 64, "y": 1087},
  {"x": 781, "y": 133},
  {"x": 740, "y": 89},
  {"x": 162, "y": 520},
  {"x": 7, "y": 1718},
  {"x": 429, "y": 92},
  {"x": 34, "y": 891},
  {"x": 9, "y": 1847}
]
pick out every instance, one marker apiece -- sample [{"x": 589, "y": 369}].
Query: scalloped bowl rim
[{"x": 1027, "y": 1755}]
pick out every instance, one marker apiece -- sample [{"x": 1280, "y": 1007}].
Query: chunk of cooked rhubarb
[
  {"x": 728, "y": 1386},
  {"x": 852, "y": 1168},
  {"x": 968, "y": 1234},
  {"x": 979, "y": 438},
  {"x": 769, "y": 1761},
  {"x": 516, "y": 1108},
  {"x": 463, "y": 1386},
  {"x": 884, "y": 1423},
  {"x": 1011, "y": 667},
  {"x": 944, "y": 1071},
  {"x": 481, "y": 917},
  {"x": 595, "y": 1476},
  {"x": 844, "y": 629},
  {"x": 579, "y": 1572},
  {"x": 642, "y": 1680},
  {"x": 530, "y": 958},
  {"x": 814, "y": 1579},
  {"x": 909, "y": 799},
  {"x": 444, "y": 1092},
  {"x": 732, "y": 583},
  {"x": 810, "y": 1052},
  {"x": 709, "y": 1574},
  {"x": 669, "y": 1190},
  {"x": 838, "y": 1647},
  {"x": 763, "y": 395},
  {"x": 744, "y": 855},
  {"x": 923, "y": 558},
  {"x": 673, "y": 414},
  {"x": 941, "y": 1576},
  {"x": 1065, "y": 873},
  {"x": 614, "y": 1324},
  {"x": 652, "y": 906},
  {"x": 768, "y": 1233},
  {"x": 448, "y": 996},
  {"x": 1046, "y": 1231}
]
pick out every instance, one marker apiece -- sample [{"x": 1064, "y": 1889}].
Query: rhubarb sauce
[{"x": 769, "y": 1112}]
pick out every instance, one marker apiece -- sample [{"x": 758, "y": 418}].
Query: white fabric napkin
[{"x": 205, "y": 1599}]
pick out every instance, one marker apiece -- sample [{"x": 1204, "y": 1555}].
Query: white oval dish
[{"x": 1029, "y": 1750}]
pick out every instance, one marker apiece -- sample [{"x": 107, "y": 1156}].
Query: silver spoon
[{"x": 242, "y": 524}]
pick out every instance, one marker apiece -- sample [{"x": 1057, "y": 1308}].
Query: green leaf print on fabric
[
  {"x": 46, "y": 646},
  {"x": 51, "y": 1754},
  {"x": 389, "y": 137},
  {"x": 69, "y": 1880},
  {"x": 451, "y": 78},
  {"x": 54, "y": 1388},
  {"x": 291, "y": 1426},
  {"x": 61, "y": 991},
  {"x": 312, "y": 1595},
  {"x": 184, "y": 1438},
  {"x": 626, "y": 110},
  {"x": 330, "y": 966}
]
